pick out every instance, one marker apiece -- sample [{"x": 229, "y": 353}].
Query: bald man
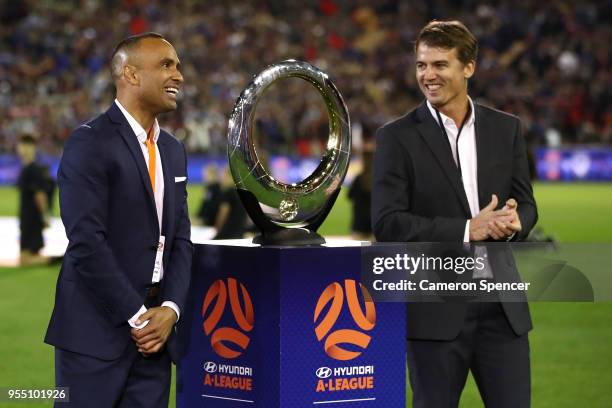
[{"x": 125, "y": 276}]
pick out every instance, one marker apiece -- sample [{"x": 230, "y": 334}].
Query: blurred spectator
[
  {"x": 35, "y": 193},
  {"x": 212, "y": 196},
  {"x": 231, "y": 219},
  {"x": 360, "y": 194},
  {"x": 548, "y": 62}
]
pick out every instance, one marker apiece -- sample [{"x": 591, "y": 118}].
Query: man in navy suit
[
  {"x": 456, "y": 171},
  {"x": 126, "y": 272}
]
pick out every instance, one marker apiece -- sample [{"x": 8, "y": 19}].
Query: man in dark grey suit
[{"x": 455, "y": 171}]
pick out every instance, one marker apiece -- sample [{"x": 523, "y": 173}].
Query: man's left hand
[
  {"x": 510, "y": 225},
  {"x": 151, "y": 338}
]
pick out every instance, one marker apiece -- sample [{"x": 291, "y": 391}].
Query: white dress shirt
[
  {"x": 469, "y": 173},
  {"x": 142, "y": 135},
  {"x": 467, "y": 155}
]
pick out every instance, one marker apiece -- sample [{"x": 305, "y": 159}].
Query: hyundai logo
[
  {"x": 210, "y": 367},
  {"x": 324, "y": 372}
]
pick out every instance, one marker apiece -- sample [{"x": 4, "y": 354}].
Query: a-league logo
[
  {"x": 213, "y": 307},
  {"x": 335, "y": 295}
]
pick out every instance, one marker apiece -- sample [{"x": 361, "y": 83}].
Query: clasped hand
[
  {"x": 151, "y": 338},
  {"x": 496, "y": 224}
]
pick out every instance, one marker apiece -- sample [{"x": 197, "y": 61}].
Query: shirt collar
[
  {"x": 140, "y": 133},
  {"x": 447, "y": 120}
]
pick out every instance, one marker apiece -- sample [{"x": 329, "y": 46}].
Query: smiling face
[
  {"x": 442, "y": 77},
  {"x": 159, "y": 79}
]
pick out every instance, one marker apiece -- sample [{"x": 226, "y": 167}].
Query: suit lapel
[
  {"x": 168, "y": 215},
  {"x": 433, "y": 136},
  {"x": 131, "y": 141},
  {"x": 484, "y": 154}
]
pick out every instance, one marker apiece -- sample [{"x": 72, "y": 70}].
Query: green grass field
[{"x": 570, "y": 345}]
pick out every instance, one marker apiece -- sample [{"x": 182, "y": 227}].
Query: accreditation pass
[{"x": 159, "y": 259}]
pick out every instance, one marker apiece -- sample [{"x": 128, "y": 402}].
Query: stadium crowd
[{"x": 547, "y": 61}]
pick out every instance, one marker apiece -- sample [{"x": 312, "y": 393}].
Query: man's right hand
[
  {"x": 479, "y": 225},
  {"x": 151, "y": 338}
]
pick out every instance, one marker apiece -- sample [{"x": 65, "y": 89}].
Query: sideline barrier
[{"x": 566, "y": 164}]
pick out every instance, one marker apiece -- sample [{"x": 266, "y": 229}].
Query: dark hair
[
  {"x": 27, "y": 138},
  {"x": 449, "y": 35},
  {"x": 133, "y": 40},
  {"x": 130, "y": 43}
]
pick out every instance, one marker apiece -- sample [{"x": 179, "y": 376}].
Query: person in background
[
  {"x": 212, "y": 196},
  {"x": 35, "y": 195},
  {"x": 231, "y": 220},
  {"x": 360, "y": 194}
]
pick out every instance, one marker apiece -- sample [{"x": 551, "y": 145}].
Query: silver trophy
[{"x": 288, "y": 214}]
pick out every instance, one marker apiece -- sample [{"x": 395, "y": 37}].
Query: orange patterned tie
[{"x": 151, "y": 148}]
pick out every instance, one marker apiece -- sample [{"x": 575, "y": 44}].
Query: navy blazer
[
  {"x": 417, "y": 195},
  {"x": 108, "y": 210}
]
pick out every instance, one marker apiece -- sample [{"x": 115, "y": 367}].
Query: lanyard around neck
[{"x": 467, "y": 114}]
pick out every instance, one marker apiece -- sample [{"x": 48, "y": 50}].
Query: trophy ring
[{"x": 288, "y": 214}]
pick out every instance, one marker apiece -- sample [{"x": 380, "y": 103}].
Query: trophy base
[
  {"x": 272, "y": 234},
  {"x": 290, "y": 236}
]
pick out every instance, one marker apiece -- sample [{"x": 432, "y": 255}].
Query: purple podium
[{"x": 287, "y": 327}]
